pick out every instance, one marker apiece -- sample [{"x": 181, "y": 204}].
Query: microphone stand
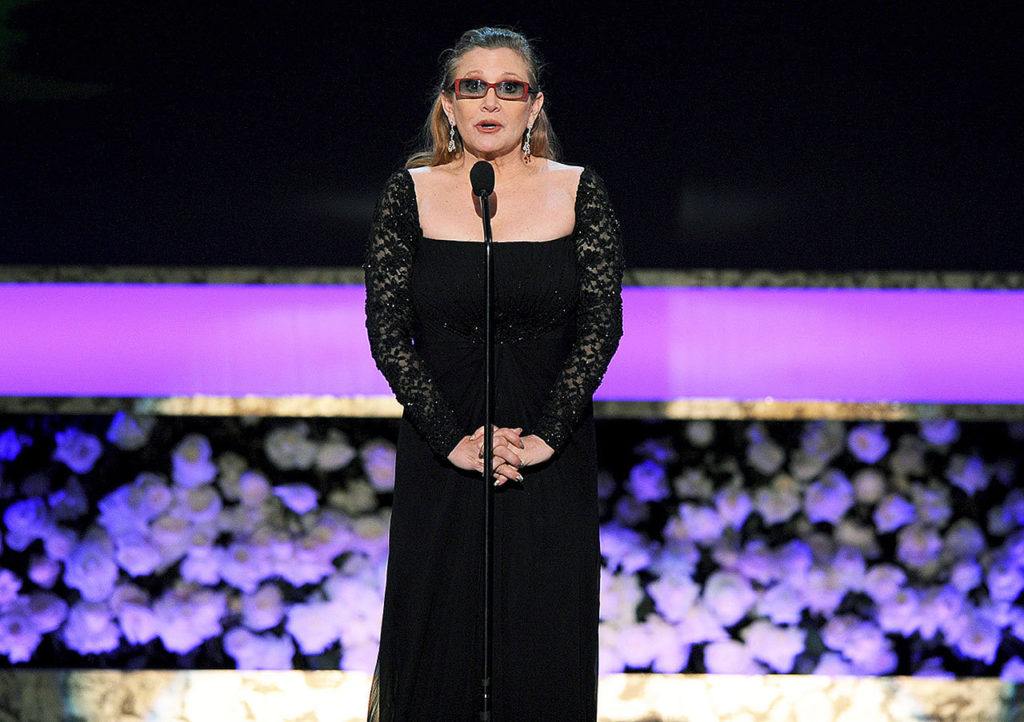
[{"x": 485, "y": 713}]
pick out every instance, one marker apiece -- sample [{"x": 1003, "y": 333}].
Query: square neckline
[{"x": 575, "y": 225}]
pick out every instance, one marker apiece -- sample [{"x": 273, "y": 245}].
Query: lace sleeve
[
  {"x": 389, "y": 316},
  {"x": 598, "y": 313}
]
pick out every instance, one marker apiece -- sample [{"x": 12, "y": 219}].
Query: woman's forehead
[{"x": 492, "y": 61}]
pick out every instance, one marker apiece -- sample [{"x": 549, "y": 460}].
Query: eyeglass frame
[{"x": 527, "y": 90}]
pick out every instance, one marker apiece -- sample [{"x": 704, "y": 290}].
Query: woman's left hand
[{"x": 533, "y": 451}]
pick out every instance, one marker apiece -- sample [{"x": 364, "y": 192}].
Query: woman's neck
[{"x": 507, "y": 167}]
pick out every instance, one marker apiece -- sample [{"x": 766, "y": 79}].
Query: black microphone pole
[{"x": 482, "y": 178}]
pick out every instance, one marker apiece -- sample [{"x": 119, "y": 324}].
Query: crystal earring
[
  {"x": 451, "y": 137},
  {"x": 526, "y": 143}
]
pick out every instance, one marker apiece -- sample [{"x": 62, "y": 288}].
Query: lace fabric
[{"x": 390, "y": 322}]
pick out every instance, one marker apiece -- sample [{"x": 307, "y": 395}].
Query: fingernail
[{"x": 519, "y": 478}]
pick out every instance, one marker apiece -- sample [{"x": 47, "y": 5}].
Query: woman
[{"x": 558, "y": 320}]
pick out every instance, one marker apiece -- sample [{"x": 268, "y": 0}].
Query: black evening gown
[{"x": 558, "y": 320}]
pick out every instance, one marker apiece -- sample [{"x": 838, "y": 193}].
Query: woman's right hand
[{"x": 468, "y": 453}]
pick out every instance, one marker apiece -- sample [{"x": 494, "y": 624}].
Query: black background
[{"x": 756, "y": 135}]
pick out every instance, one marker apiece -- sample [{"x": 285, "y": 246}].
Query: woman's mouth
[{"x": 488, "y": 126}]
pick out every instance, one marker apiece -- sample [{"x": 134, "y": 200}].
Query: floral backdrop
[{"x": 729, "y": 547}]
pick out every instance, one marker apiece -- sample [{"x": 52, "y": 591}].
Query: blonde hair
[{"x": 433, "y": 141}]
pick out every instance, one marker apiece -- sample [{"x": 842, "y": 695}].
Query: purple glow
[{"x": 934, "y": 346}]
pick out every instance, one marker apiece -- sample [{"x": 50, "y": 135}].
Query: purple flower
[
  {"x": 378, "y": 459},
  {"x": 128, "y": 431},
  {"x": 631, "y": 512},
  {"x": 964, "y": 540},
  {"x": 43, "y": 571},
  {"x": 868, "y": 442},
  {"x": 192, "y": 465},
  {"x": 828, "y": 498},
  {"x": 673, "y": 596},
  {"x": 77, "y": 449},
  {"x": 968, "y": 473},
  {"x": 979, "y": 640},
  {"x": 90, "y": 629},
  {"x": 90, "y": 568},
  {"x": 26, "y": 520},
  {"x": 782, "y": 603},
  {"x": 900, "y": 613},
  {"x": 300, "y": 498},
  {"x": 313, "y": 626},
  {"x": 624, "y": 548},
  {"x": 766, "y": 456},
  {"x": 893, "y": 512},
  {"x": 733, "y": 505},
  {"x": 1005, "y": 580},
  {"x": 48, "y": 611},
  {"x": 937, "y": 606},
  {"x": 647, "y": 481},
  {"x": 757, "y": 562},
  {"x": 918, "y": 546},
  {"x": 11, "y": 444},
  {"x": 824, "y": 590},
  {"x": 264, "y": 608},
  {"x": 69, "y": 502},
  {"x": 19, "y": 635},
  {"x": 700, "y": 524},
  {"x": 965, "y": 575},
  {"x": 1013, "y": 671},
  {"x": 779, "y": 501},
  {"x": 10, "y": 584},
  {"x": 794, "y": 559},
  {"x": 259, "y": 651},
  {"x": 932, "y": 502},
  {"x": 940, "y": 432}
]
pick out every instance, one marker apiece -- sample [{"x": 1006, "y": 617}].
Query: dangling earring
[
  {"x": 526, "y": 144},
  {"x": 451, "y": 137}
]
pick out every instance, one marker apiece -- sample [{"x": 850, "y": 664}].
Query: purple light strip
[{"x": 861, "y": 345}]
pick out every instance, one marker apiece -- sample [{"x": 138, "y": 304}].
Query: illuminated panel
[{"x": 858, "y": 345}]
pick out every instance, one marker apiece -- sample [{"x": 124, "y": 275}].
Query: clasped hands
[{"x": 512, "y": 452}]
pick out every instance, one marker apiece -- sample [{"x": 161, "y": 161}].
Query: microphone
[{"x": 481, "y": 176}]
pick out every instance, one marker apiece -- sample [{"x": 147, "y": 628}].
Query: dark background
[{"x": 753, "y": 135}]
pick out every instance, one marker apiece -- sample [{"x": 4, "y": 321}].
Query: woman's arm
[
  {"x": 598, "y": 314},
  {"x": 389, "y": 316}
]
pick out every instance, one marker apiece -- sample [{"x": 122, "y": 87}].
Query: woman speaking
[{"x": 557, "y": 322}]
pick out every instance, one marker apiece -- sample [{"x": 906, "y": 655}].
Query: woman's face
[{"x": 509, "y": 118}]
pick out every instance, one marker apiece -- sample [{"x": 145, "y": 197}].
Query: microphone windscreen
[{"x": 481, "y": 176}]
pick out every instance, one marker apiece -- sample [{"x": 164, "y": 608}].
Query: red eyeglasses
[{"x": 505, "y": 89}]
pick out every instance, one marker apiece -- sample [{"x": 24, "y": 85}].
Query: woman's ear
[{"x": 538, "y": 103}]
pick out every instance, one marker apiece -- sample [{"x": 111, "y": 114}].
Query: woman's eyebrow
[{"x": 504, "y": 73}]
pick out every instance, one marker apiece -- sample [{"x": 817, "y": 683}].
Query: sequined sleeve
[
  {"x": 389, "y": 316},
  {"x": 598, "y": 315}
]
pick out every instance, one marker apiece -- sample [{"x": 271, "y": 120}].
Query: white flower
[
  {"x": 730, "y": 657},
  {"x": 335, "y": 452},
  {"x": 43, "y": 571},
  {"x": 356, "y": 497},
  {"x": 11, "y": 444},
  {"x": 858, "y": 536},
  {"x": 670, "y": 654},
  {"x": 782, "y": 603},
  {"x": 300, "y": 498},
  {"x": 893, "y": 512},
  {"x": 824, "y": 589},
  {"x": 77, "y": 449},
  {"x": 230, "y": 467},
  {"x": 823, "y": 439},
  {"x": 777, "y": 647},
  {"x": 828, "y": 498},
  {"x": 869, "y": 485},
  {"x": 609, "y": 654},
  {"x": 699, "y": 433},
  {"x": 908, "y": 458},
  {"x": 253, "y": 488},
  {"x": 289, "y": 447},
  {"x": 918, "y": 546},
  {"x": 172, "y": 535},
  {"x": 700, "y": 625},
  {"x": 378, "y": 459},
  {"x": 620, "y": 595},
  {"x": 940, "y": 432},
  {"x": 733, "y": 505},
  {"x": 10, "y": 584},
  {"x": 673, "y": 596},
  {"x": 832, "y": 665},
  {"x": 766, "y": 456},
  {"x": 968, "y": 473},
  {"x": 128, "y": 431},
  {"x": 313, "y": 626},
  {"x": 693, "y": 483},
  {"x": 90, "y": 568},
  {"x": 647, "y": 481},
  {"x": 192, "y": 462},
  {"x": 728, "y": 596},
  {"x": 138, "y": 622},
  {"x": 868, "y": 442},
  {"x": 264, "y": 608},
  {"x": 90, "y": 629},
  {"x": 779, "y": 501},
  {"x": 805, "y": 466},
  {"x": 700, "y": 524},
  {"x": 259, "y": 651}
]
